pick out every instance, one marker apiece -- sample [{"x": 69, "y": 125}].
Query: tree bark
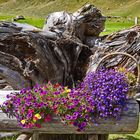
[
  {"x": 123, "y": 41},
  {"x": 55, "y": 54}
]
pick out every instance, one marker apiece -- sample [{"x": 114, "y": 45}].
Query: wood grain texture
[
  {"x": 127, "y": 124},
  {"x": 62, "y": 137},
  {"x": 126, "y": 41},
  {"x": 68, "y": 137},
  {"x": 23, "y": 137},
  {"x": 35, "y": 136},
  {"x": 92, "y": 137}
]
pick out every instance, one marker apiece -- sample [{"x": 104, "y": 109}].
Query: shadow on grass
[
  {"x": 126, "y": 138},
  {"x": 131, "y": 138}
]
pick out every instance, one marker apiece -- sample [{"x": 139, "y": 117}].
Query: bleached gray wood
[
  {"x": 136, "y": 20},
  {"x": 57, "y": 53},
  {"x": 7, "y": 134},
  {"x": 92, "y": 137},
  {"x": 35, "y": 136},
  {"x": 4, "y": 93},
  {"x": 23, "y": 137},
  {"x": 127, "y": 41}
]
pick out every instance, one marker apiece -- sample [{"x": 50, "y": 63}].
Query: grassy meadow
[
  {"x": 35, "y": 12},
  {"x": 41, "y": 8},
  {"x": 111, "y": 25}
]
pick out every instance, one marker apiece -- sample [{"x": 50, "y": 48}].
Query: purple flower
[
  {"x": 101, "y": 95},
  {"x": 68, "y": 117}
]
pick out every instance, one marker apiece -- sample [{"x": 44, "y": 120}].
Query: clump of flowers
[
  {"x": 101, "y": 95},
  {"x": 31, "y": 107},
  {"x": 74, "y": 108},
  {"x": 108, "y": 89}
]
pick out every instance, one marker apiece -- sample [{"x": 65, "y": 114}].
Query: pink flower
[
  {"x": 30, "y": 110},
  {"x": 38, "y": 125},
  {"x": 48, "y": 98},
  {"x": 56, "y": 85},
  {"x": 55, "y": 110},
  {"x": 30, "y": 125},
  {"x": 48, "y": 118}
]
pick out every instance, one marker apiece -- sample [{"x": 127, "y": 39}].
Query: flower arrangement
[
  {"x": 31, "y": 107},
  {"x": 101, "y": 95}
]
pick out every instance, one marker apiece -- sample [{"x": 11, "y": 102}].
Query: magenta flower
[{"x": 48, "y": 118}]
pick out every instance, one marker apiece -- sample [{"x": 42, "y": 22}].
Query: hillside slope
[{"x": 41, "y": 8}]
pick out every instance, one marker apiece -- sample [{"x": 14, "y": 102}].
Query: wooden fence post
[
  {"x": 35, "y": 136},
  {"x": 136, "y": 20}
]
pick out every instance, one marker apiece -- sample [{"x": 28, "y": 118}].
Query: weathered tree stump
[
  {"x": 123, "y": 41},
  {"x": 56, "y": 53}
]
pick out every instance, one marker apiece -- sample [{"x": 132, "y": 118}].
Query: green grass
[
  {"x": 35, "y": 11},
  {"x": 42, "y": 8},
  {"x": 38, "y": 22},
  {"x": 35, "y": 21},
  {"x": 129, "y": 8},
  {"x": 114, "y": 25},
  {"x": 6, "y": 17}
]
